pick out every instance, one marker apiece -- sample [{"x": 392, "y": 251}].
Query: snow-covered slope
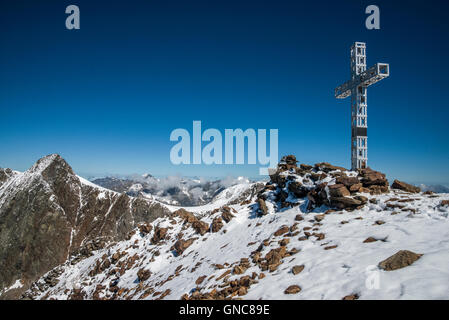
[{"x": 280, "y": 247}]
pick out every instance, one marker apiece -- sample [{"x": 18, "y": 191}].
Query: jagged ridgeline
[
  {"x": 310, "y": 232},
  {"x": 48, "y": 214}
]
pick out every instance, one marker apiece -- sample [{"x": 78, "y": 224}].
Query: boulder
[
  {"x": 305, "y": 167},
  {"x": 297, "y": 189},
  {"x": 347, "y": 181},
  {"x": 181, "y": 245},
  {"x": 262, "y": 206},
  {"x": 400, "y": 259},
  {"x": 200, "y": 227},
  {"x": 297, "y": 269},
  {"x": 292, "y": 289},
  {"x": 371, "y": 177},
  {"x": 327, "y": 167},
  {"x": 185, "y": 215},
  {"x": 227, "y": 216},
  {"x": 282, "y": 230},
  {"x": 143, "y": 274},
  {"x": 345, "y": 202},
  {"x": 405, "y": 187},
  {"x": 355, "y": 187},
  {"x": 159, "y": 234},
  {"x": 338, "y": 190},
  {"x": 217, "y": 224}
]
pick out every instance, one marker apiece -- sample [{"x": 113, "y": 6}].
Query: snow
[{"x": 350, "y": 268}]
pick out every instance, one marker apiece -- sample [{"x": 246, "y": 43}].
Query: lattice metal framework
[{"x": 361, "y": 79}]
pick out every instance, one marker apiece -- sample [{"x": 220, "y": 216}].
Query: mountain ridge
[{"x": 311, "y": 232}]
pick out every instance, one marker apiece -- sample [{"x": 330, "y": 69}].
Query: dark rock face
[
  {"x": 405, "y": 187},
  {"x": 46, "y": 213}
]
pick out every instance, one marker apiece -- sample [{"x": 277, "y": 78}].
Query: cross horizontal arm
[{"x": 374, "y": 74}]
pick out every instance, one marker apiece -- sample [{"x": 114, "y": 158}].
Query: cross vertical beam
[{"x": 359, "y": 116}]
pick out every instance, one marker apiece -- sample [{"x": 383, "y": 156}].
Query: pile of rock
[{"x": 341, "y": 191}]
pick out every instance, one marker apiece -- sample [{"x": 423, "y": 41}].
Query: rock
[
  {"x": 185, "y": 215},
  {"x": 347, "y": 181},
  {"x": 292, "y": 289},
  {"x": 306, "y": 167},
  {"x": 290, "y": 160},
  {"x": 369, "y": 240},
  {"x": 330, "y": 247},
  {"x": 159, "y": 234},
  {"x": 405, "y": 186},
  {"x": 200, "y": 227},
  {"x": 371, "y": 177},
  {"x": 355, "y": 187},
  {"x": 354, "y": 296},
  {"x": 297, "y": 269},
  {"x": 362, "y": 199},
  {"x": 145, "y": 228},
  {"x": 379, "y": 222},
  {"x": 297, "y": 189},
  {"x": 444, "y": 203},
  {"x": 239, "y": 269},
  {"x": 345, "y": 202},
  {"x": 319, "y": 217},
  {"x": 299, "y": 217},
  {"x": 284, "y": 229},
  {"x": 200, "y": 280},
  {"x": 242, "y": 291},
  {"x": 181, "y": 245},
  {"x": 284, "y": 242},
  {"x": 143, "y": 274},
  {"x": 262, "y": 206},
  {"x": 327, "y": 167},
  {"x": 227, "y": 216},
  {"x": 399, "y": 260},
  {"x": 217, "y": 224},
  {"x": 338, "y": 190}
]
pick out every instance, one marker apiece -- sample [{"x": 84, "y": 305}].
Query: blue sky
[{"x": 106, "y": 97}]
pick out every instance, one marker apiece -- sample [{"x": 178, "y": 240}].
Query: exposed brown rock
[
  {"x": 262, "y": 206},
  {"x": 292, "y": 289},
  {"x": 354, "y": 296},
  {"x": 200, "y": 227},
  {"x": 405, "y": 187},
  {"x": 159, "y": 234},
  {"x": 282, "y": 230},
  {"x": 143, "y": 274},
  {"x": 217, "y": 224},
  {"x": 345, "y": 202},
  {"x": 181, "y": 245},
  {"x": 338, "y": 190},
  {"x": 200, "y": 280},
  {"x": 400, "y": 259},
  {"x": 297, "y": 269}
]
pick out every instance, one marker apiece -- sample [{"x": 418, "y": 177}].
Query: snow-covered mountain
[
  {"x": 311, "y": 232},
  {"x": 48, "y": 214},
  {"x": 173, "y": 190},
  {"x": 438, "y": 188}
]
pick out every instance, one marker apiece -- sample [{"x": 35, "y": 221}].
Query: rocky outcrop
[
  {"x": 322, "y": 184},
  {"x": 47, "y": 213},
  {"x": 405, "y": 187}
]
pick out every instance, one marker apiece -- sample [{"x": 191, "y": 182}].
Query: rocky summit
[
  {"x": 309, "y": 232},
  {"x": 49, "y": 215}
]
